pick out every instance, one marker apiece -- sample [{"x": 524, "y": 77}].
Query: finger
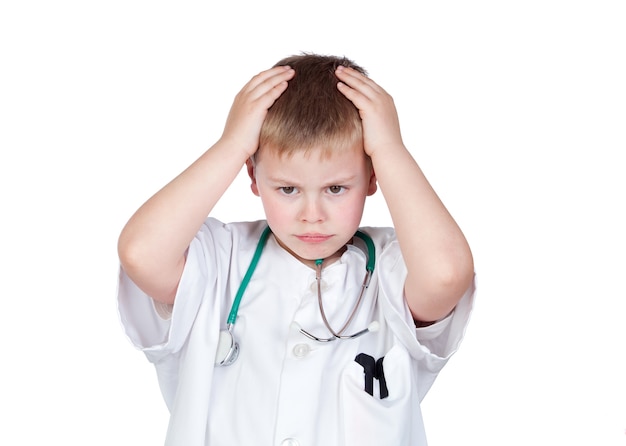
[
  {"x": 271, "y": 86},
  {"x": 353, "y": 95},
  {"x": 356, "y": 80},
  {"x": 272, "y": 76},
  {"x": 270, "y": 89},
  {"x": 361, "y": 100}
]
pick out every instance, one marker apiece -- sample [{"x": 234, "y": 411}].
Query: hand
[
  {"x": 381, "y": 128},
  {"x": 250, "y": 106}
]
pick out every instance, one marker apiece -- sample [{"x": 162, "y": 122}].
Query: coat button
[
  {"x": 290, "y": 442},
  {"x": 301, "y": 350},
  {"x": 323, "y": 286}
]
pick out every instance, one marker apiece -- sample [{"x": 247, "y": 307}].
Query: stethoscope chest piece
[{"x": 227, "y": 349}]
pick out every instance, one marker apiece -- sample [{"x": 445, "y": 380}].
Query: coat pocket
[{"x": 369, "y": 418}]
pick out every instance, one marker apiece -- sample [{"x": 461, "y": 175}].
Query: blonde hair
[{"x": 312, "y": 112}]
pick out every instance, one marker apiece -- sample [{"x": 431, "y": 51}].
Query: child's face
[{"x": 313, "y": 204}]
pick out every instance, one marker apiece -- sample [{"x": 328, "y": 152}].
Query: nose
[{"x": 312, "y": 210}]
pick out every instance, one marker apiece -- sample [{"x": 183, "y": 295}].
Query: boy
[{"x": 315, "y": 354}]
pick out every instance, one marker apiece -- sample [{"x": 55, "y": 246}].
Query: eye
[
  {"x": 336, "y": 190},
  {"x": 288, "y": 190}
]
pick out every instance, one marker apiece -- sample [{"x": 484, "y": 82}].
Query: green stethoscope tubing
[{"x": 232, "y": 316}]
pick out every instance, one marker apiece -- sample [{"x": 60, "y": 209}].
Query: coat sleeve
[
  {"x": 430, "y": 347},
  {"x": 160, "y": 330}
]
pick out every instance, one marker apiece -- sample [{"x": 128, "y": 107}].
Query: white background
[{"x": 516, "y": 111}]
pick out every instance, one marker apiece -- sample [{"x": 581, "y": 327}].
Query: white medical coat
[{"x": 286, "y": 389}]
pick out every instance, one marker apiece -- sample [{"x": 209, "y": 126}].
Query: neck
[{"x": 313, "y": 263}]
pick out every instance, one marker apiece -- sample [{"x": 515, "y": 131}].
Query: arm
[
  {"x": 153, "y": 243},
  {"x": 437, "y": 255}
]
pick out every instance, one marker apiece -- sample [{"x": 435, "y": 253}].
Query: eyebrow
[{"x": 336, "y": 182}]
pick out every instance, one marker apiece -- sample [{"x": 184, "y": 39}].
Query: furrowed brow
[
  {"x": 340, "y": 180},
  {"x": 282, "y": 180}
]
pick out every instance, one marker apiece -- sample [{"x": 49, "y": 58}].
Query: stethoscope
[{"x": 228, "y": 348}]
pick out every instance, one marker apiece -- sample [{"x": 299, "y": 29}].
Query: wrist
[
  {"x": 236, "y": 148},
  {"x": 387, "y": 151}
]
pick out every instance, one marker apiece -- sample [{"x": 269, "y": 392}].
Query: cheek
[
  {"x": 351, "y": 211},
  {"x": 275, "y": 209}
]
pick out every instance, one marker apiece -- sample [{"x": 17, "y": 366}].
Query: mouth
[{"x": 313, "y": 238}]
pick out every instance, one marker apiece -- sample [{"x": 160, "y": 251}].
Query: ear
[
  {"x": 252, "y": 174},
  {"x": 372, "y": 187}
]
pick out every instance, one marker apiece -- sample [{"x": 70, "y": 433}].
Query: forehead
[
  {"x": 314, "y": 162},
  {"x": 317, "y": 153}
]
